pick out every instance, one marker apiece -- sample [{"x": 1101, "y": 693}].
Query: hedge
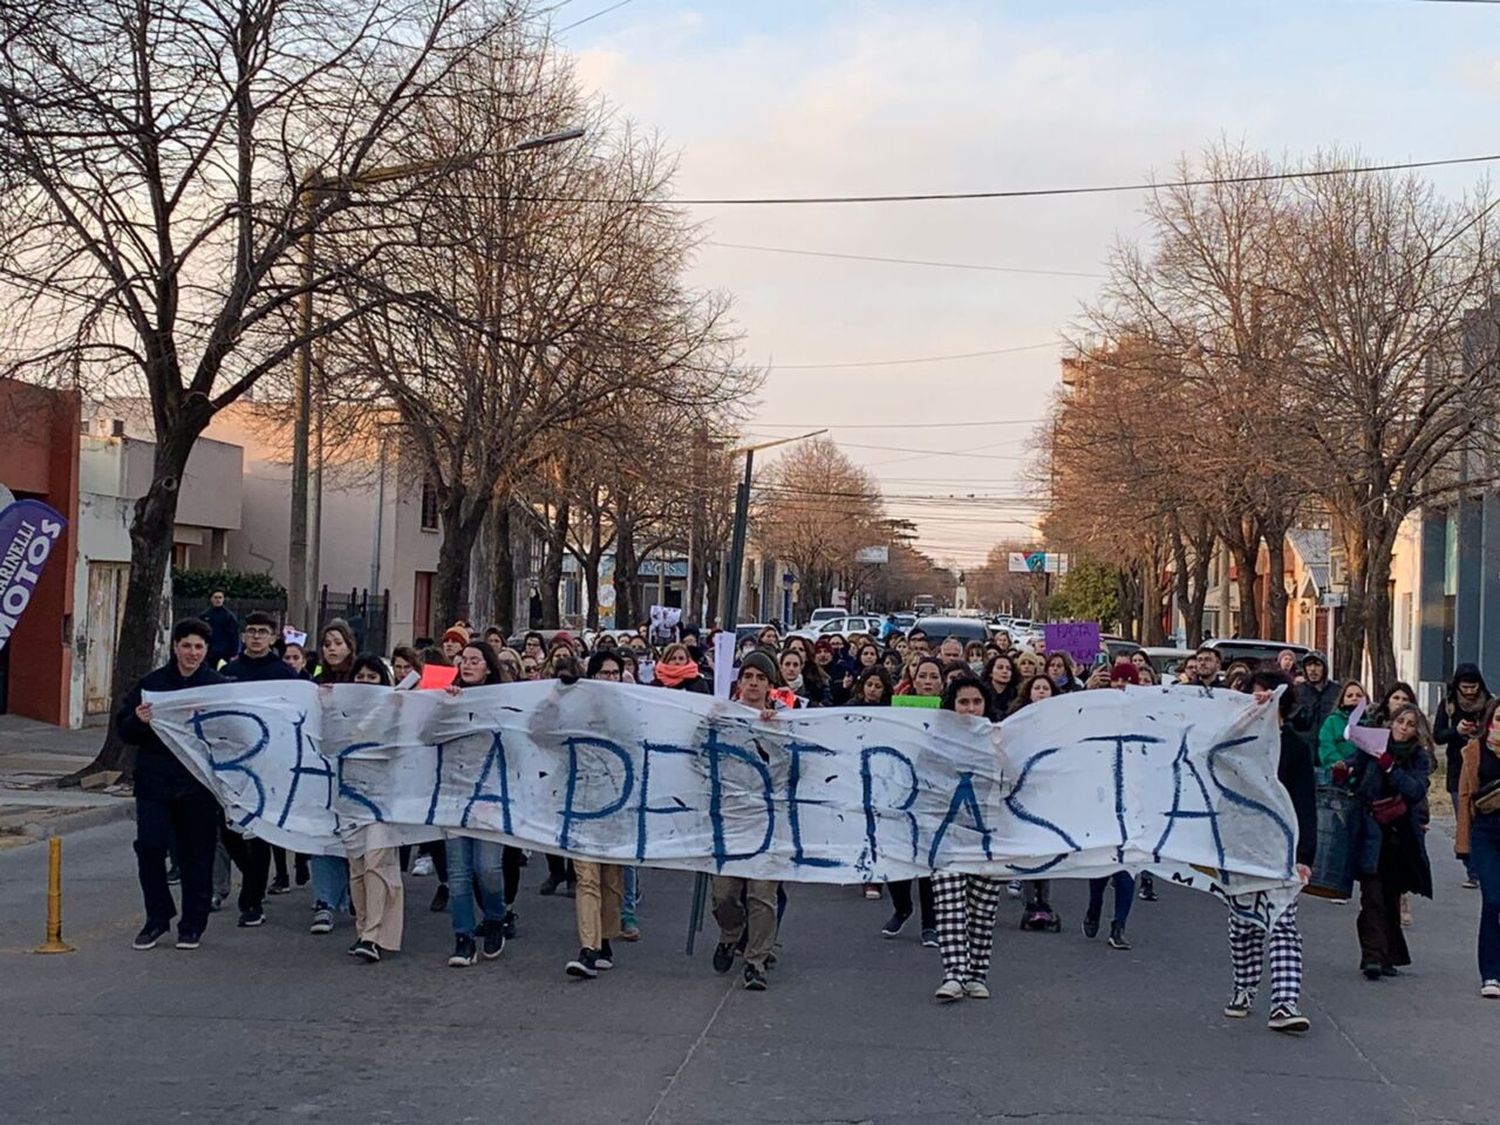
[{"x": 234, "y": 583}]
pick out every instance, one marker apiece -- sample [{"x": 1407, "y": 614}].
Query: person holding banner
[
  {"x": 172, "y": 808},
  {"x": 925, "y": 685},
  {"x": 598, "y": 900},
  {"x": 330, "y": 873},
  {"x": 475, "y": 864},
  {"x": 376, "y": 890},
  {"x": 966, "y": 905},
  {"x": 1247, "y": 941},
  {"x": 746, "y": 908}
]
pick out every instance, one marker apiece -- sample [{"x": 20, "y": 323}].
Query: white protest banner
[
  {"x": 723, "y": 663},
  {"x": 1174, "y": 779}
]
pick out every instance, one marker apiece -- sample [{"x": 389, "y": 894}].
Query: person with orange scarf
[{"x": 678, "y": 670}]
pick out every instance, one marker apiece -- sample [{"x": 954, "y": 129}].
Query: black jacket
[
  {"x": 158, "y": 773},
  {"x": 1315, "y": 702},
  {"x": 1295, "y": 772},
  {"x": 1449, "y": 714},
  {"x": 226, "y": 633},
  {"x": 248, "y": 670}
]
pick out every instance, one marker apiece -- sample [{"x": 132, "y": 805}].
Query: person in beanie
[
  {"x": 749, "y": 903},
  {"x": 172, "y": 806},
  {"x": 1454, "y": 726},
  {"x": 455, "y": 637},
  {"x": 1316, "y": 697}
]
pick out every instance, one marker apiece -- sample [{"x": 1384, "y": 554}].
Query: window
[{"x": 429, "y": 505}]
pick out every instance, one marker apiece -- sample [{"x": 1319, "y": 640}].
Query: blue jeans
[
  {"x": 1124, "y": 895},
  {"x": 330, "y": 880},
  {"x": 475, "y": 863},
  {"x": 632, "y": 897},
  {"x": 1484, "y": 857}
]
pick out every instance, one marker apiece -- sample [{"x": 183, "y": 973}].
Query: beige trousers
[
  {"x": 378, "y": 895},
  {"x": 596, "y": 901},
  {"x": 760, "y": 898}
]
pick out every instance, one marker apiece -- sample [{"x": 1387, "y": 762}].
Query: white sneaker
[
  {"x": 1491, "y": 990},
  {"x": 1013, "y": 888},
  {"x": 422, "y": 865},
  {"x": 950, "y": 990},
  {"x": 976, "y": 990}
]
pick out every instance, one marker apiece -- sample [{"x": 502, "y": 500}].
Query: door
[
  {"x": 106, "y": 609},
  {"x": 421, "y": 625}
]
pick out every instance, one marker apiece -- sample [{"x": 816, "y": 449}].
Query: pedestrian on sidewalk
[
  {"x": 1454, "y": 726},
  {"x": 1247, "y": 941},
  {"x": 171, "y": 806},
  {"x": 1478, "y": 838},
  {"x": 966, "y": 904}
]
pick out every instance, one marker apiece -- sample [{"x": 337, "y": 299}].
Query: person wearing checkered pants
[
  {"x": 966, "y": 909},
  {"x": 1247, "y": 950}
]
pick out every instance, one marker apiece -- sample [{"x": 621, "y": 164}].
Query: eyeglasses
[
  {"x": 606, "y": 674},
  {"x": 258, "y": 631}
]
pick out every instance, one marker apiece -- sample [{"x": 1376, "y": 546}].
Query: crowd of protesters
[{"x": 182, "y": 835}]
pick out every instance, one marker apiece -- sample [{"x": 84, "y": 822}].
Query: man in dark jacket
[
  {"x": 1316, "y": 697},
  {"x": 225, "y": 629},
  {"x": 256, "y": 663},
  {"x": 1454, "y": 725},
  {"x": 171, "y": 804}
]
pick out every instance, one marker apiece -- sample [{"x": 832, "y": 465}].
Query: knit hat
[
  {"x": 1125, "y": 670},
  {"x": 456, "y": 633},
  {"x": 762, "y": 664},
  {"x": 1313, "y": 658}
]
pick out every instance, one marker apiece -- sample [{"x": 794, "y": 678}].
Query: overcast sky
[{"x": 819, "y": 97}]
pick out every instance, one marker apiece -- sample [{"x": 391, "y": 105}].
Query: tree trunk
[
  {"x": 1276, "y": 595},
  {"x": 1349, "y": 643},
  {"x": 503, "y": 574},
  {"x": 591, "y": 565},
  {"x": 1245, "y": 557},
  {"x": 711, "y": 580},
  {"x": 1379, "y": 638},
  {"x": 140, "y": 623},
  {"x": 552, "y": 568},
  {"x": 462, "y": 522},
  {"x": 627, "y": 613}
]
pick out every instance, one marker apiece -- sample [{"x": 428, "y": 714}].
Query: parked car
[
  {"x": 749, "y": 629},
  {"x": 824, "y": 613},
  {"x": 1116, "y": 648},
  {"x": 1168, "y": 661},
  {"x": 965, "y": 629},
  {"x": 872, "y": 623},
  {"x": 1253, "y": 651},
  {"x": 902, "y": 621}
]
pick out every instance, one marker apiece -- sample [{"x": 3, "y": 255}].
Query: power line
[
  {"x": 898, "y": 261},
  {"x": 1035, "y": 193},
  {"x": 596, "y": 15},
  {"x": 903, "y": 362},
  {"x": 902, "y": 425}
]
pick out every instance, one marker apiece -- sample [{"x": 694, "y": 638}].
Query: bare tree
[
  {"x": 164, "y": 161},
  {"x": 554, "y": 286}
]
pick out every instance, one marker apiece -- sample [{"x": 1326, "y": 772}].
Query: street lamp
[
  {"x": 299, "y": 593},
  {"x": 742, "y": 519}
]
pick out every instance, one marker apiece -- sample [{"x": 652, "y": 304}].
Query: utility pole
[{"x": 315, "y": 188}]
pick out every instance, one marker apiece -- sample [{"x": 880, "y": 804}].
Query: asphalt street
[{"x": 277, "y": 1025}]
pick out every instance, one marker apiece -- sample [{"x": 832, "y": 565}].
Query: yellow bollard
[{"x": 54, "y": 942}]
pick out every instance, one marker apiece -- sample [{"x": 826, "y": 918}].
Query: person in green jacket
[{"x": 1333, "y": 747}]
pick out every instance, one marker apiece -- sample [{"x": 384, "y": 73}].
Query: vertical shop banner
[{"x": 29, "y": 530}]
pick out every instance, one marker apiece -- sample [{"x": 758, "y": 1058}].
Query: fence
[{"x": 368, "y": 616}]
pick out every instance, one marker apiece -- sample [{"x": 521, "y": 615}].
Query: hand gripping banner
[{"x": 1177, "y": 780}]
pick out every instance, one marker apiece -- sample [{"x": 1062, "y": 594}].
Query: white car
[{"x": 873, "y": 624}]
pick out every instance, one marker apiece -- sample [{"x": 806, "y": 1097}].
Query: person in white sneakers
[
  {"x": 1477, "y": 842},
  {"x": 1247, "y": 941},
  {"x": 966, "y": 904}
]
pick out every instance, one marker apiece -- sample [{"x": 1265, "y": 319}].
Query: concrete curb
[{"x": 73, "y": 820}]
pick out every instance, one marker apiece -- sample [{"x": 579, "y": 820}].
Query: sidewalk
[{"x": 33, "y": 758}]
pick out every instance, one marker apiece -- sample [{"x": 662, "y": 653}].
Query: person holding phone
[{"x": 1456, "y": 723}]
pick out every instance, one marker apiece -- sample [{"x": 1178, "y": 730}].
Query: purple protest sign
[
  {"x": 1079, "y": 639},
  {"x": 29, "y": 530}
]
